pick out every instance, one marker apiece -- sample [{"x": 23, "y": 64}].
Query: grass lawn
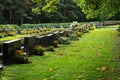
[{"x": 95, "y": 56}]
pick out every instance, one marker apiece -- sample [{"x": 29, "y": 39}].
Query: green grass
[
  {"x": 12, "y": 37},
  {"x": 94, "y": 57}
]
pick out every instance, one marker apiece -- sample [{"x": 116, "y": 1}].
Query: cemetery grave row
[{"x": 12, "y": 52}]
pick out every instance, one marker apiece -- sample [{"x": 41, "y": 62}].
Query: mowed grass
[{"x": 95, "y": 56}]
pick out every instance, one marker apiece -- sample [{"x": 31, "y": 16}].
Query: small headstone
[
  {"x": 66, "y": 33},
  {"x": 61, "y": 33}
]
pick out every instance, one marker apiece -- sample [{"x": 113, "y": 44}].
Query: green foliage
[
  {"x": 78, "y": 34},
  {"x": 93, "y": 27},
  {"x": 63, "y": 40},
  {"x": 55, "y": 43},
  {"x": 50, "y": 48},
  {"x": 50, "y": 6},
  {"x": 73, "y": 37},
  {"x": 39, "y": 50},
  {"x": 86, "y": 31},
  {"x": 94, "y": 57},
  {"x": 21, "y": 57},
  {"x": 1, "y": 35},
  {"x": 99, "y": 9}
]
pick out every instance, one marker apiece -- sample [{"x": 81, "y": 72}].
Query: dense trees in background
[
  {"x": 46, "y": 11},
  {"x": 101, "y": 9}
]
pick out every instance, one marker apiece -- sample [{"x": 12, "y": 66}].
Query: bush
[
  {"x": 86, "y": 31},
  {"x": 93, "y": 27},
  {"x": 73, "y": 37},
  {"x": 11, "y": 34},
  {"x": 63, "y": 40},
  {"x": 21, "y": 57},
  {"x": 55, "y": 43},
  {"x": 1, "y": 35},
  {"x": 78, "y": 34},
  {"x": 118, "y": 29},
  {"x": 39, "y": 50},
  {"x": 50, "y": 48}
]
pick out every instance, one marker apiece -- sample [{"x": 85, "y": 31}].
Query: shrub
[
  {"x": 78, "y": 34},
  {"x": 1, "y": 35},
  {"x": 118, "y": 29},
  {"x": 55, "y": 43},
  {"x": 63, "y": 40},
  {"x": 50, "y": 48},
  {"x": 73, "y": 37},
  {"x": 93, "y": 27},
  {"x": 21, "y": 57},
  {"x": 11, "y": 34},
  {"x": 39, "y": 50},
  {"x": 86, "y": 31}
]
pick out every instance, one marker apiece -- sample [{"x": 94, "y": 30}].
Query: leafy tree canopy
[
  {"x": 102, "y": 9},
  {"x": 47, "y": 5}
]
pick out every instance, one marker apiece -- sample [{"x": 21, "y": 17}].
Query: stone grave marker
[
  {"x": 9, "y": 51},
  {"x": 29, "y": 44}
]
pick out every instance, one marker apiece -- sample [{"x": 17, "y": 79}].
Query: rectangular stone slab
[
  {"x": 9, "y": 51},
  {"x": 29, "y": 44}
]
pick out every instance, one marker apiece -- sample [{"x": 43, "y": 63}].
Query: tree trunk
[
  {"x": 22, "y": 20},
  {"x": 10, "y": 21},
  {"x": 64, "y": 11}
]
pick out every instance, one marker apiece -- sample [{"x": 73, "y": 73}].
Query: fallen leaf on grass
[
  {"x": 51, "y": 77},
  {"x": 79, "y": 76},
  {"x": 103, "y": 68},
  {"x": 51, "y": 69},
  {"x": 76, "y": 50},
  {"x": 44, "y": 79},
  {"x": 98, "y": 55},
  {"x": 97, "y": 69}
]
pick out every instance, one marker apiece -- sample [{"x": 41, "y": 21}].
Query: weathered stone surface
[
  {"x": 29, "y": 44},
  {"x": 65, "y": 33},
  {"x": 9, "y": 51}
]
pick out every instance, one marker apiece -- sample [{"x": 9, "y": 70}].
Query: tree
[
  {"x": 102, "y": 9},
  {"x": 49, "y": 6}
]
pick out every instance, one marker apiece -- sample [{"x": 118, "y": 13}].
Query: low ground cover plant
[{"x": 39, "y": 50}]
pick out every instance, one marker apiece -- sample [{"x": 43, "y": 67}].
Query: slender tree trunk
[
  {"x": 64, "y": 11},
  {"x": 10, "y": 21},
  {"x": 22, "y": 20},
  {"x": 39, "y": 18},
  {"x": 36, "y": 20}
]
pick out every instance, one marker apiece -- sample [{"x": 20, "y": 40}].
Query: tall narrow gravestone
[
  {"x": 9, "y": 51},
  {"x": 29, "y": 44}
]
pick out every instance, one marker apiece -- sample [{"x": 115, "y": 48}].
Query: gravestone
[
  {"x": 9, "y": 51},
  {"x": 56, "y": 35},
  {"x": 50, "y": 38},
  {"x": 29, "y": 44},
  {"x": 61, "y": 33},
  {"x": 42, "y": 40},
  {"x": 66, "y": 33}
]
